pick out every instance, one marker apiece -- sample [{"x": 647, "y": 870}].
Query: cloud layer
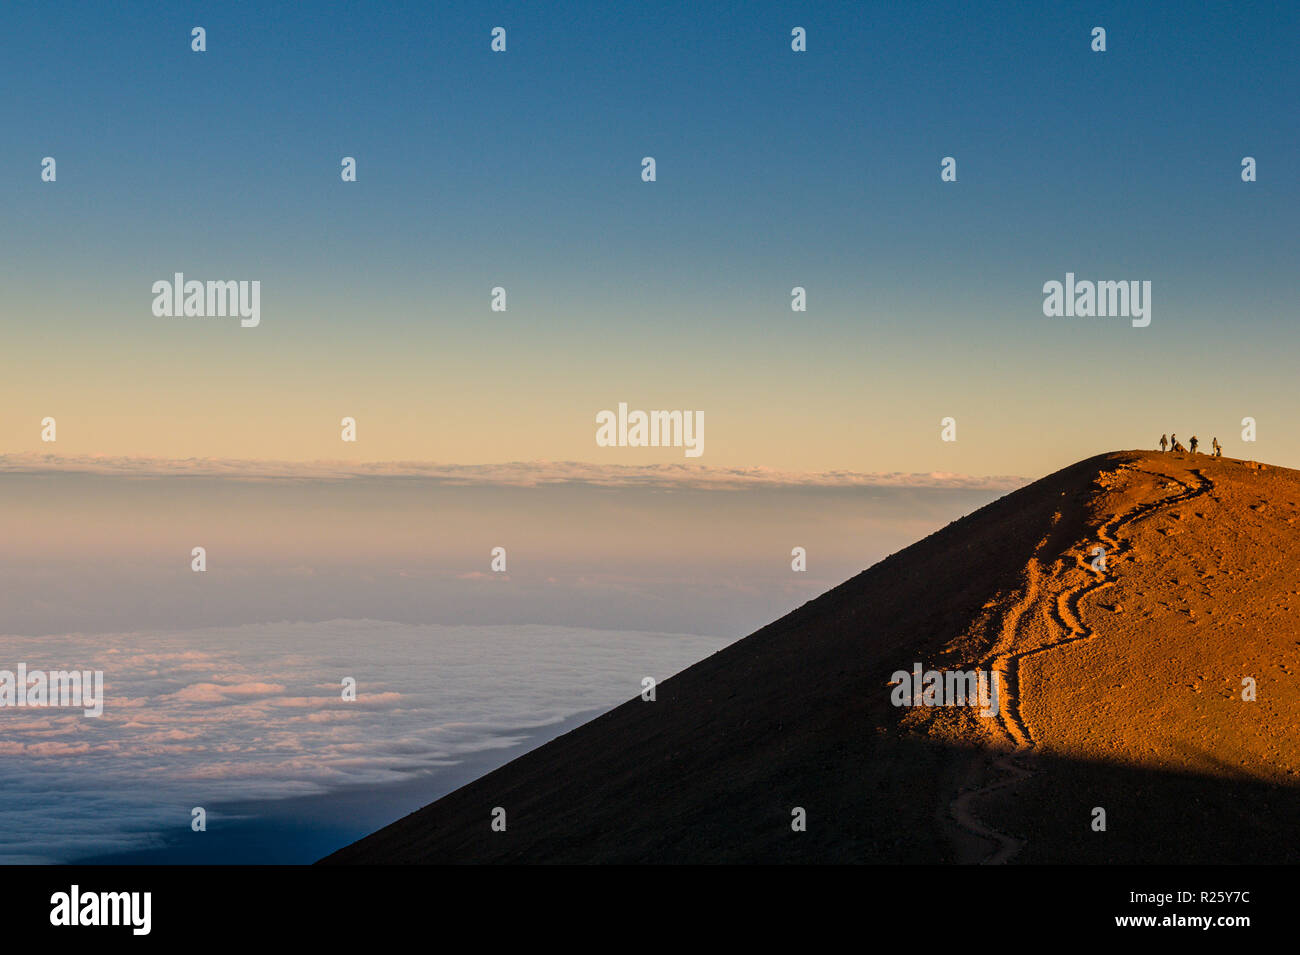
[
  {"x": 256, "y": 712},
  {"x": 510, "y": 474}
]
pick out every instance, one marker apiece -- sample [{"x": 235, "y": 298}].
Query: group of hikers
[{"x": 1173, "y": 444}]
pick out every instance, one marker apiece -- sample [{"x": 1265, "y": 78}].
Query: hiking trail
[{"x": 1063, "y": 612}]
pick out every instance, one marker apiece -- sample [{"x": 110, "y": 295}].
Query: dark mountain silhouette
[{"x": 1122, "y": 687}]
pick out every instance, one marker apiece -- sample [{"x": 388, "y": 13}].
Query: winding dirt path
[{"x": 1062, "y": 610}]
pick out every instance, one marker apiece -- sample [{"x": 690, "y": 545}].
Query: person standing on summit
[
  {"x": 1164, "y": 442},
  {"x": 1214, "y": 445},
  {"x": 1193, "y": 444}
]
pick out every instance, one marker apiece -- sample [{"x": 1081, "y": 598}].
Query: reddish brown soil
[{"x": 1122, "y": 689}]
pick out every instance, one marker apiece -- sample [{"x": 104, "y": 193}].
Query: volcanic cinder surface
[{"x": 1122, "y": 690}]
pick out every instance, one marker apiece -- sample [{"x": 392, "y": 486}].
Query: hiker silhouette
[
  {"x": 1164, "y": 442},
  {"x": 1218, "y": 451},
  {"x": 1193, "y": 444}
]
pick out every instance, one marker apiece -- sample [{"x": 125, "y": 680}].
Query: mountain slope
[{"x": 1121, "y": 688}]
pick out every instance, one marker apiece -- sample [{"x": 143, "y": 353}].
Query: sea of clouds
[
  {"x": 510, "y": 474},
  {"x": 255, "y": 712}
]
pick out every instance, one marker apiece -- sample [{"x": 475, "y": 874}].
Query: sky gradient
[{"x": 522, "y": 170}]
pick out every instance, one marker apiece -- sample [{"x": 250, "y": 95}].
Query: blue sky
[{"x": 775, "y": 169}]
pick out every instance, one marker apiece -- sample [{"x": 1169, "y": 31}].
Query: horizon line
[{"x": 501, "y": 474}]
